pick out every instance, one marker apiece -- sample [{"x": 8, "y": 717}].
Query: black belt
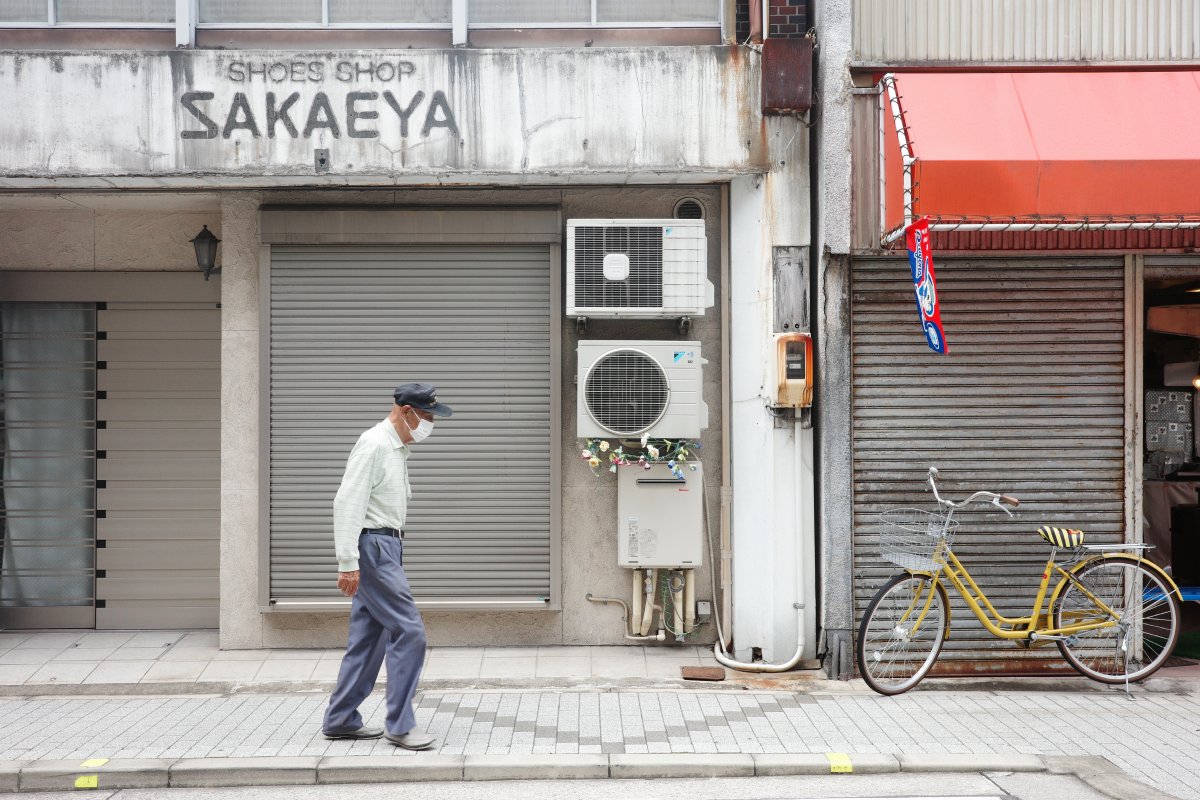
[{"x": 396, "y": 534}]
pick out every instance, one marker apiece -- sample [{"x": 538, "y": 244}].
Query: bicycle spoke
[
  {"x": 1134, "y": 619},
  {"x": 901, "y": 633}
]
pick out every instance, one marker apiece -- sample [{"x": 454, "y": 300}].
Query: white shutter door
[
  {"x": 1029, "y": 402},
  {"x": 348, "y": 323}
]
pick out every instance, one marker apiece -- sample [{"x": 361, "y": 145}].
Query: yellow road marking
[
  {"x": 87, "y": 781},
  {"x": 94, "y": 762},
  {"x": 839, "y": 762}
]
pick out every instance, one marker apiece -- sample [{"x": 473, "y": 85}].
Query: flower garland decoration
[{"x": 672, "y": 452}]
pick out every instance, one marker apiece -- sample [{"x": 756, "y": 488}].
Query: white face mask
[{"x": 422, "y": 431}]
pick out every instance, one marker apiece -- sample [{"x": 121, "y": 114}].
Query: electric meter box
[
  {"x": 660, "y": 518},
  {"x": 793, "y": 370}
]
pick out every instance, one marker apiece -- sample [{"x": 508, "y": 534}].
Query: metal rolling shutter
[
  {"x": 1029, "y": 402},
  {"x": 347, "y": 323},
  {"x": 160, "y": 436}
]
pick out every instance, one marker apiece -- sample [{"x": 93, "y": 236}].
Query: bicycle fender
[{"x": 1150, "y": 565}]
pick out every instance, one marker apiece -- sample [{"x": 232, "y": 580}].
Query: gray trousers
[{"x": 384, "y": 623}]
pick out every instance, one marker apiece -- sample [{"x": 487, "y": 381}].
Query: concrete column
[
  {"x": 832, "y": 197},
  {"x": 241, "y": 621},
  {"x": 773, "y": 505}
]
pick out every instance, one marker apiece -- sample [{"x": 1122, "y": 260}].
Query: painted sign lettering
[{"x": 358, "y": 114}]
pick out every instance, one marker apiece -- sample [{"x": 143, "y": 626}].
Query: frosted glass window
[
  {"x": 610, "y": 12},
  {"x": 47, "y": 452},
  {"x": 24, "y": 11},
  {"x": 265, "y": 12},
  {"x": 131, "y": 11},
  {"x": 530, "y": 11},
  {"x": 389, "y": 11}
]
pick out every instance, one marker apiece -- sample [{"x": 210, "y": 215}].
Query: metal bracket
[
  {"x": 581, "y": 325},
  {"x": 684, "y": 325}
]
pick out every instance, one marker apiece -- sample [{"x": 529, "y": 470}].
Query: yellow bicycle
[{"x": 1113, "y": 614}]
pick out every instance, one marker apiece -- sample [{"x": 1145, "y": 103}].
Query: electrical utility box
[{"x": 660, "y": 522}]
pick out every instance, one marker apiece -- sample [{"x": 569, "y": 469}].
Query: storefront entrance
[
  {"x": 1170, "y": 464},
  {"x": 1030, "y": 401},
  {"x": 109, "y": 414}
]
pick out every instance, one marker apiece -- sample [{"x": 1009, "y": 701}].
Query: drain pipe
[
  {"x": 719, "y": 652},
  {"x": 725, "y": 564}
]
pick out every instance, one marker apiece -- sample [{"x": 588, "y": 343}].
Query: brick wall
[{"x": 789, "y": 19}]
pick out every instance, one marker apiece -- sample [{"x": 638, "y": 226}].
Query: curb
[
  {"x": 34, "y": 776},
  {"x": 735, "y": 682}
]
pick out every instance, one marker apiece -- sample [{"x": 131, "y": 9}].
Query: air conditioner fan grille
[
  {"x": 626, "y": 392},
  {"x": 643, "y": 287}
]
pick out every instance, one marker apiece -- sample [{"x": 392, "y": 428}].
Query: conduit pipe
[
  {"x": 689, "y": 600},
  {"x": 648, "y": 611},
  {"x": 719, "y": 652},
  {"x": 635, "y": 616},
  {"x": 725, "y": 564},
  {"x": 677, "y": 592},
  {"x": 661, "y": 636}
]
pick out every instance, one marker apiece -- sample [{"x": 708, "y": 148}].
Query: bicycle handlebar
[{"x": 995, "y": 499}]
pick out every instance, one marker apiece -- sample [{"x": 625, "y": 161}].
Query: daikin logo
[{"x": 681, "y": 354}]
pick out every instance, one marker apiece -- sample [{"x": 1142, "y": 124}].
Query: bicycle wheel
[
  {"x": 902, "y": 633},
  {"x": 1144, "y": 623}
]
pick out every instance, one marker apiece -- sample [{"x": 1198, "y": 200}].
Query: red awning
[{"x": 1087, "y": 145}]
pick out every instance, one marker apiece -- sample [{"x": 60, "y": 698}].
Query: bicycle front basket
[{"x": 915, "y": 539}]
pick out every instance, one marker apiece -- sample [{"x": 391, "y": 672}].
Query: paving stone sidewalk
[{"x": 1155, "y": 738}]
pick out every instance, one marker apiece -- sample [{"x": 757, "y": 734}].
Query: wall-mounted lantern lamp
[{"x": 206, "y": 252}]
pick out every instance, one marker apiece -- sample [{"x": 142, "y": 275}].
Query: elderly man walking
[{"x": 368, "y": 532}]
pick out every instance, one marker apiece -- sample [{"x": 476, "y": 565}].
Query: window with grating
[
  {"x": 643, "y": 287},
  {"x": 76, "y": 12},
  {"x": 626, "y": 392},
  {"x": 277, "y": 12},
  {"x": 382, "y": 12}
]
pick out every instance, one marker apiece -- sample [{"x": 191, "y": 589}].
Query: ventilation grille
[
  {"x": 626, "y": 392},
  {"x": 689, "y": 208},
  {"x": 643, "y": 287}
]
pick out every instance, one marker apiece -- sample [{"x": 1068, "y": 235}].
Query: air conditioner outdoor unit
[
  {"x": 639, "y": 268},
  {"x": 630, "y": 388}
]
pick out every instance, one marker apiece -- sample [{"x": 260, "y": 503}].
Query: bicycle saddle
[{"x": 1061, "y": 537}]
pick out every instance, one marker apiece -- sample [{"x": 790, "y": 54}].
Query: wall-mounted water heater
[{"x": 793, "y": 370}]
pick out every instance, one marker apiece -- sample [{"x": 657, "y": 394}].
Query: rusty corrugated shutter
[{"x": 1029, "y": 402}]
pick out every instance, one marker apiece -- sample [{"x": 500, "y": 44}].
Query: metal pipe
[
  {"x": 658, "y": 637},
  {"x": 906, "y": 154},
  {"x": 725, "y": 563},
  {"x": 689, "y": 600},
  {"x": 1079, "y": 225},
  {"x": 635, "y": 615},
  {"x": 756, "y": 23},
  {"x": 677, "y": 609},
  {"x": 648, "y": 610}
]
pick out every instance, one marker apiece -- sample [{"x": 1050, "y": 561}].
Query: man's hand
[{"x": 348, "y": 583}]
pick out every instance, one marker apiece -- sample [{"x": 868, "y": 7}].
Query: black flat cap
[{"x": 422, "y": 396}]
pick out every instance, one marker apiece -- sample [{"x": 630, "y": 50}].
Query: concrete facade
[
  {"x": 393, "y": 117},
  {"x": 598, "y": 133},
  {"x": 832, "y": 210}
]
